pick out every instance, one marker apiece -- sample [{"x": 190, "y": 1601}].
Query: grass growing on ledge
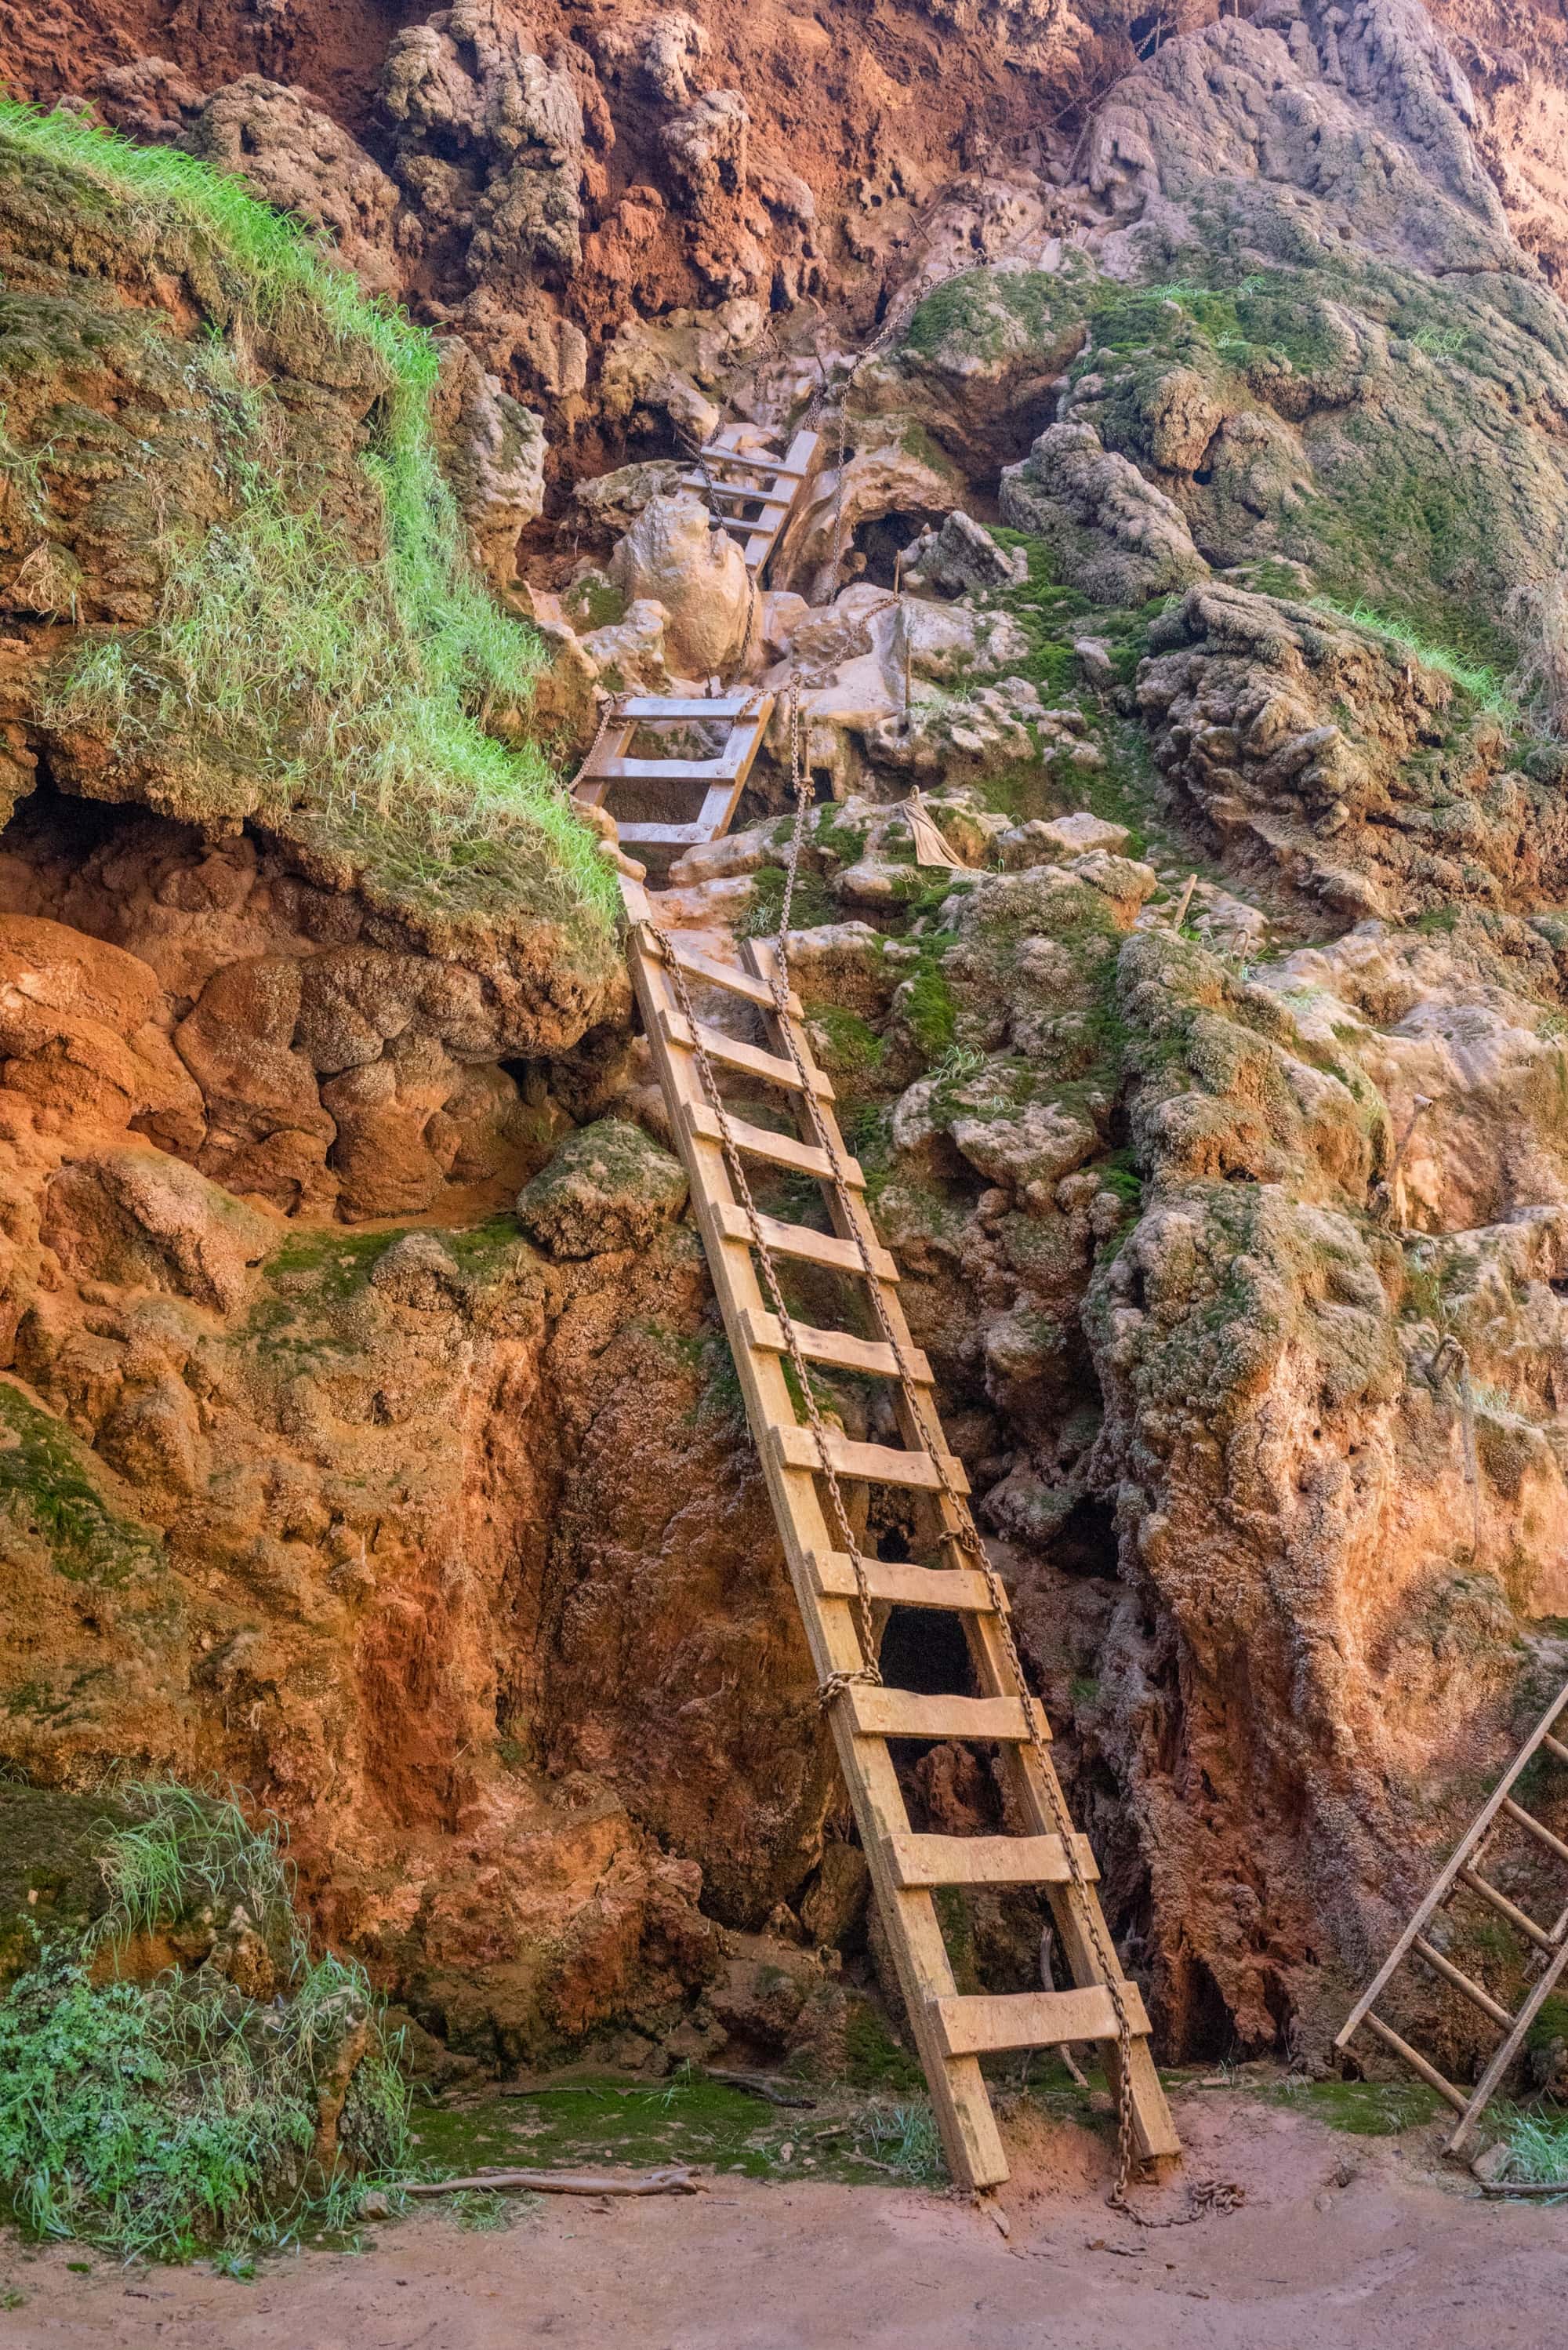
[
  {"x": 361, "y": 696},
  {"x": 1483, "y": 685}
]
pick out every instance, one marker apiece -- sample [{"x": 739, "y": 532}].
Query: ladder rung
[
  {"x": 875, "y": 1464},
  {"x": 835, "y": 1347},
  {"x": 909, "y": 1713},
  {"x": 799, "y": 1240},
  {"x": 666, "y": 836},
  {"x": 1033, "y": 2019},
  {"x": 733, "y": 1055},
  {"x": 903, "y": 1585},
  {"x": 1428, "y": 2072},
  {"x": 1536, "y": 1827},
  {"x": 725, "y": 975},
  {"x": 778, "y": 1149},
  {"x": 1450, "y": 1973},
  {"x": 1555, "y": 1746},
  {"x": 721, "y": 768},
  {"x": 751, "y": 493},
  {"x": 760, "y": 463},
  {"x": 647, "y": 707},
  {"x": 1505, "y": 1909},
  {"x": 985, "y": 1860}
]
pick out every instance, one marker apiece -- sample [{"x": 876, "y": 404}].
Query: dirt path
[{"x": 1391, "y": 2258}]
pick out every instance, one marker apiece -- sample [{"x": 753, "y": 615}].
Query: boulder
[
  {"x": 962, "y": 557},
  {"x": 78, "y": 1035},
  {"x": 301, "y": 161},
  {"x": 488, "y": 141},
  {"x": 607, "y": 1187},
  {"x": 492, "y": 450},
  {"x": 1115, "y": 537},
  {"x": 141, "y": 1219},
  {"x": 671, "y": 556}
]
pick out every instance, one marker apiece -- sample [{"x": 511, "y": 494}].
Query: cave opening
[
  {"x": 1086, "y": 1544},
  {"x": 884, "y": 539}
]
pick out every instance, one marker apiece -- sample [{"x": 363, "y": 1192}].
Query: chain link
[
  {"x": 963, "y": 1532},
  {"x": 958, "y": 1532}
]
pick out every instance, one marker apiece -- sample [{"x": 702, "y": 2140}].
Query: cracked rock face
[{"x": 1328, "y": 750}]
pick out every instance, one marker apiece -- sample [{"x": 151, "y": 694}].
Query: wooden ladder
[
  {"x": 752, "y": 492},
  {"x": 722, "y": 775},
  {"x": 952, "y": 2032},
  {"x": 1463, "y": 1874}
]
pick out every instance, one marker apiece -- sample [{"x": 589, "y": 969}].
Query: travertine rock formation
[{"x": 371, "y": 1437}]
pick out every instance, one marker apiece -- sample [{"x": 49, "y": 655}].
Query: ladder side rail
[
  {"x": 1022, "y": 1766},
  {"x": 597, "y": 773},
  {"x": 959, "y": 2094},
  {"x": 1486, "y": 2087},
  {"x": 1444, "y": 1883}
]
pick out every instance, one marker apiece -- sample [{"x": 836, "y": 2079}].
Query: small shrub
[{"x": 153, "y": 2119}]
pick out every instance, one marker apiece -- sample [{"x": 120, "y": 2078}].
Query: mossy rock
[
  {"x": 51, "y": 1493},
  {"x": 50, "y": 1881},
  {"x": 610, "y": 1185}
]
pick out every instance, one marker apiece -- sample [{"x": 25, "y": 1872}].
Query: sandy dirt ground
[{"x": 1342, "y": 2244}]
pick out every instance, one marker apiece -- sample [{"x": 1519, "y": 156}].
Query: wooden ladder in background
[
  {"x": 750, "y": 493},
  {"x": 722, "y": 774},
  {"x": 952, "y": 2032},
  {"x": 1463, "y": 1874}
]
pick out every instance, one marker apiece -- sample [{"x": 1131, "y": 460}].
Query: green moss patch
[
  {"x": 49, "y": 1491},
  {"x": 687, "y": 2118},
  {"x": 1361, "y": 2108}
]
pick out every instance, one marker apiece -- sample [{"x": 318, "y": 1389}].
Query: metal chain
[
  {"x": 870, "y": 1671},
  {"x": 960, "y": 1532},
  {"x": 964, "y": 1534}
]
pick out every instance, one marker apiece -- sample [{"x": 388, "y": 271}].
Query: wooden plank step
[
  {"x": 799, "y": 1240},
  {"x": 747, "y": 494},
  {"x": 721, "y": 769},
  {"x": 901, "y": 1585},
  {"x": 665, "y": 835},
  {"x": 1537, "y": 1828},
  {"x": 1461, "y": 1982},
  {"x": 725, "y": 975},
  {"x": 649, "y": 707},
  {"x": 1506, "y": 1909},
  {"x": 991, "y": 2023},
  {"x": 753, "y": 462},
  {"x": 835, "y": 1347},
  {"x": 778, "y": 1149},
  {"x": 985, "y": 1860},
  {"x": 908, "y": 1713},
  {"x": 731, "y": 1054},
  {"x": 872, "y": 1464}
]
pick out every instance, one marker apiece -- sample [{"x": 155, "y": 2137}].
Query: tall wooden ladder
[
  {"x": 707, "y": 784},
  {"x": 1548, "y": 1944},
  {"x": 751, "y": 492},
  {"x": 952, "y": 2032}
]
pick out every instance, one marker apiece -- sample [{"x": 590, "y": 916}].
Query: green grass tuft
[
  {"x": 1539, "y": 2144},
  {"x": 1482, "y": 684},
  {"x": 282, "y": 261}
]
